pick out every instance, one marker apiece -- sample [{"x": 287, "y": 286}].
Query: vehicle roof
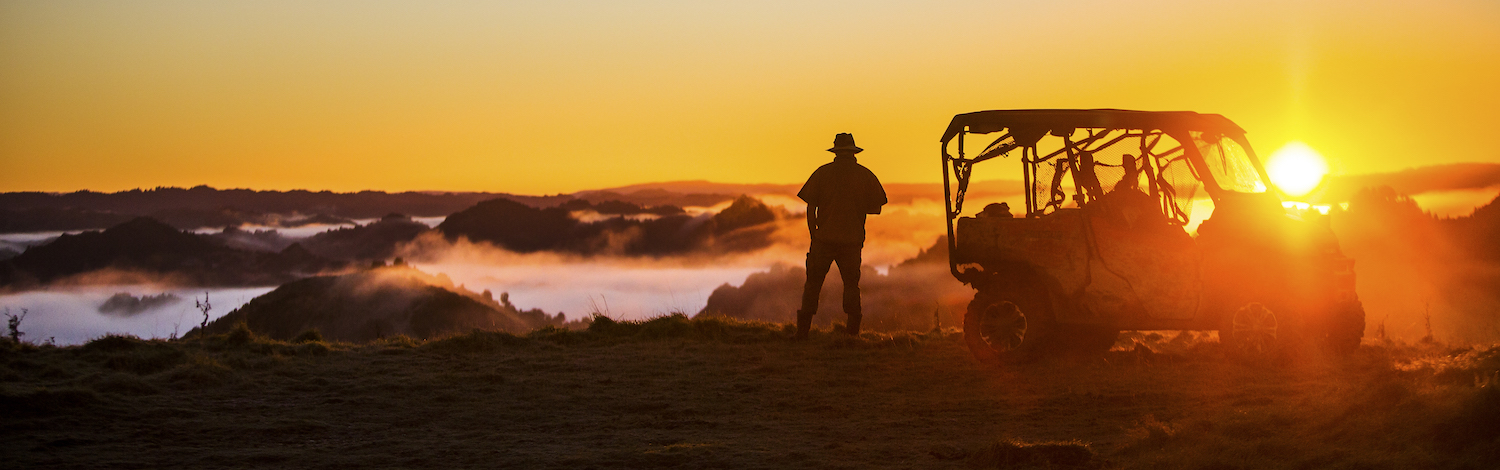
[{"x": 984, "y": 122}]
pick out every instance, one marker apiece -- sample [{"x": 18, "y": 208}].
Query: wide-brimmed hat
[{"x": 844, "y": 142}]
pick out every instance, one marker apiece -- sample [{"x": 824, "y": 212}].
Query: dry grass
[{"x": 717, "y": 393}]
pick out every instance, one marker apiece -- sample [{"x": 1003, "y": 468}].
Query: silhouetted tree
[
  {"x": 14, "y": 322},
  {"x": 203, "y": 306}
]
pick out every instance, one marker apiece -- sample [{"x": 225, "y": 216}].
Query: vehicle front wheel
[
  {"x": 1257, "y": 332},
  {"x": 1003, "y": 329}
]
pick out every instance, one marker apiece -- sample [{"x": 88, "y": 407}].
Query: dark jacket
[{"x": 843, "y": 192}]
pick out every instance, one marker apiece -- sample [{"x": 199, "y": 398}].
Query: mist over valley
[{"x": 646, "y": 250}]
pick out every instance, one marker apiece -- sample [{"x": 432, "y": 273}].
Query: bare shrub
[
  {"x": 14, "y": 323},
  {"x": 204, "y": 307}
]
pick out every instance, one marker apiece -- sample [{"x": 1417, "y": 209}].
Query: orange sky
[{"x": 557, "y": 96}]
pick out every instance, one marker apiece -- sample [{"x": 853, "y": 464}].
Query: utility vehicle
[{"x": 1101, "y": 242}]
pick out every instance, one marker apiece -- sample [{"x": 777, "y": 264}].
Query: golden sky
[{"x": 558, "y": 96}]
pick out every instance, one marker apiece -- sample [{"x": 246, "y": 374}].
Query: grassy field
[{"x": 714, "y": 393}]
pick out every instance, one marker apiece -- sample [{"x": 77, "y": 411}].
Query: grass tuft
[
  {"x": 561, "y": 336},
  {"x": 240, "y": 335},
  {"x": 1011, "y": 453},
  {"x": 476, "y": 341},
  {"x": 132, "y": 354},
  {"x": 200, "y": 372},
  {"x": 1150, "y": 434},
  {"x": 8, "y": 348},
  {"x": 309, "y": 336},
  {"x": 241, "y": 338},
  {"x": 678, "y": 326},
  {"x": 317, "y": 348},
  {"x": 398, "y": 342},
  {"x": 113, "y": 343}
]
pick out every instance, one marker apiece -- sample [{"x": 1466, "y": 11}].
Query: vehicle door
[{"x": 1144, "y": 264}]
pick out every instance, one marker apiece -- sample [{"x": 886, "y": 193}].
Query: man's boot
[
  {"x": 804, "y": 323},
  {"x": 854, "y": 319}
]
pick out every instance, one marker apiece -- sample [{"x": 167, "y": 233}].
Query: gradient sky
[{"x": 558, "y": 96}]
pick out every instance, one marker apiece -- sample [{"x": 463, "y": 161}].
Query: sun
[{"x": 1296, "y": 168}]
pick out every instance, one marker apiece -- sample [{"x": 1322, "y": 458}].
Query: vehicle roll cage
[{"x": 1104, "y": 128}]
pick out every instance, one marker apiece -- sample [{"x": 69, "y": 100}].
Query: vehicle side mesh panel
[
  {"x": 1053, "y": 186},
  {"x": 1109, "y": 165},
  {"x": 1109, "y": 173},
  {"x": 1180, "y": 186},
  {"x": 1041, "y": 186}
]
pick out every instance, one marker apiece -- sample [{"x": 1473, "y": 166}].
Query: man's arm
[
  {"x": 812, "y": 220},
  {"x": 877, "y": 195}
]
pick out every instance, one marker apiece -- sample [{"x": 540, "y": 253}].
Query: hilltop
[
  {"x": 380, "y": 302},
  {"x": 204, "y": 206},
  {"x": 745, "y": 225},
  {"x": 1417, "y": 180},
  {"x": 373, "y": 241},
  {"x": 144, "y": 249}
]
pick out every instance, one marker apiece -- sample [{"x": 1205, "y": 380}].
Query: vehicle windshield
[{"x": 1228, "y": 162}]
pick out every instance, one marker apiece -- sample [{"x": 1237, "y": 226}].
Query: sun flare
[{"x": 1296, "y": 168}]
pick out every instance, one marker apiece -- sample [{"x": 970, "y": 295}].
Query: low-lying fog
[
  {"x": 304, "y": 231},
  {"x": 579, "y": 289},
  {"x": 18, "y": 242},
  {"x": 633, "y": 287},
  {"x": 72, "y": 315},
  {"x": 1456, "y": 203},
  {"x": 623, "y": 288},
  {"x": 636, "y": 288}
]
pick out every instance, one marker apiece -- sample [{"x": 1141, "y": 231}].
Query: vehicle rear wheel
[
  {"x": 1257, "y": 332},
  {"x": 1008, "y": 328}
]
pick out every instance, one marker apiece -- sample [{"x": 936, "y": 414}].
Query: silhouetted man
[
  {"x": 838, "y": 197},
  {"x": 1132, "y": 177}
]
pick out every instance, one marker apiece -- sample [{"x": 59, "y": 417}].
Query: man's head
[{"x": 843, "y": 144}]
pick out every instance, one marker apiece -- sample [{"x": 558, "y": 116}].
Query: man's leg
[
  {"x": 848, "y": 258},
  {"x": 819, "y": 259}
]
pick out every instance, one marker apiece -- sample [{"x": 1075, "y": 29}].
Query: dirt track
[{"x": 880, "y": 402}]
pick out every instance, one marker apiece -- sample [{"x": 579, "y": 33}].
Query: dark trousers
[{"x": 819, "y": 258}]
